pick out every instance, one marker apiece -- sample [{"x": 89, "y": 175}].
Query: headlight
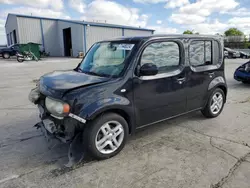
[{"x": 57, "y": 108}]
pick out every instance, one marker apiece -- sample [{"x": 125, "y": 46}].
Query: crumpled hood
[{"x": 55, "y": 84}]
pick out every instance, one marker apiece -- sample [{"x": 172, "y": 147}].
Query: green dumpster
[{"x": 30, "y": 47}]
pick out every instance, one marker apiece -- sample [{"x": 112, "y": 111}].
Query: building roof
[
  {"x": 82, "y": 22},
  {"x": 173, "y": 36}
]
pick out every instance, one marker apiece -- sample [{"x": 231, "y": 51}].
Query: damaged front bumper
[{"x": 68, "y": 129}]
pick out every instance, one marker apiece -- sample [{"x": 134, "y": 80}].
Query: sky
[{"x": 165, "y": 16}]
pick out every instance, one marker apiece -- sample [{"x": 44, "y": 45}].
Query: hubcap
[
  {"x": 216, "y": 103},
  {"x": 109, "y": 137},
  {"x": 6, "y": 55}
]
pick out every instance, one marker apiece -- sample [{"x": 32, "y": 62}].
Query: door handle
[
  {"x": 211, "y": 74},
  {"x": 181, "y": 80}
]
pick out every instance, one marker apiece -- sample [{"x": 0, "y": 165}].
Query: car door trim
[
  {"x": 168, "y": 118},
  {"x": 162, "y": 75}
]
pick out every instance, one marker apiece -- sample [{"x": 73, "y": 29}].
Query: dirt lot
[{"x": 190, "y": 151}]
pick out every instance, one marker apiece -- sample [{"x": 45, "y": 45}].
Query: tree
[
  {"x": 188, "y": 32},
  {"x": 233, "y": 32}
]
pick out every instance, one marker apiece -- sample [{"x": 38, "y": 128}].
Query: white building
[{"x": 64, "y": 37}]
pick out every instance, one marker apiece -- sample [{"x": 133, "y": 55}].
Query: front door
[{"x": 163, "y": 95}]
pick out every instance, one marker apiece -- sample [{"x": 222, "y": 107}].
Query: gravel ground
[{"x": 189, "y": 151}]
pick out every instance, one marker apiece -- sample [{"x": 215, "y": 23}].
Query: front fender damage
[{"x": 76, "y": 150}]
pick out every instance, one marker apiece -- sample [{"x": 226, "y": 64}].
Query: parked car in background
[
  {"x": 7, "y": 52},
  {"x": 126, "y": 84},
  {"x": 244, "y": 55},
  {"x": 242, "y": 73},
  {"x": 232, "y": 53},
  {"x": 2, "y": 46}
]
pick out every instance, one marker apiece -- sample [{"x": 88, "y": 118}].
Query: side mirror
[{"x": 148, "y": 69}]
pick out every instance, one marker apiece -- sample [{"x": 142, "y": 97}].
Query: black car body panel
[
  {"x": 141, "y": 100},
  {"x": 57, "y": 83},
  {"x": 12, "y": 50}
]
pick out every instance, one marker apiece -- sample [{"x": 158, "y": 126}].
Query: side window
[
  {"x": 165, "y": 55},
  {"x": 196, "y": 53},
  {"x": 200, "y": 53},
  {"x": 203, "y": 53},
  {"x": 216, "y": 52},
  {"x": 208, "y": 52}
]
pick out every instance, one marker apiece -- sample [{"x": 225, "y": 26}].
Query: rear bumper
[{"x": 241, "y": 76}]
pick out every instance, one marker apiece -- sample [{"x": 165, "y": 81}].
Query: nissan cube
[{"x": 125, "y": 84}]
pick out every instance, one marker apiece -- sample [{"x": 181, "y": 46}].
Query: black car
[
  {"x": 244, "y": 55},
  {"x": 232, "y": 53},
  {"x": 9, "y": 51},
  {"x": 126, "y": 84}
]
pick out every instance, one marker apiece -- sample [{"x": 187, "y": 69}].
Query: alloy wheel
[
  {"x": 216, "y": 103},
  {"x": 109, "y": 137}
]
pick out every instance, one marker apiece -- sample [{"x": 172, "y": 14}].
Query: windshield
[{"x": 106, "y": 59}]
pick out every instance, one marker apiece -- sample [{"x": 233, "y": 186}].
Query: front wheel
[
  {"x": 20, "y": 59},
  {"x": 215, "y": 104},
  {"x": 106, "y": 136}
]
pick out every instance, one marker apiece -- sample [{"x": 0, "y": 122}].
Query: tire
[
  {"x": 93, "y": 133},
  {"x": 207, "y": 111},
  {"x": 19, "y": 59},
  {"x": 6, "y": 55},
  {"x": 245, "y": 82}
]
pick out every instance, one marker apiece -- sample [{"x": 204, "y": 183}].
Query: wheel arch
[
  {"x": 218, "y": 82},
  {"x": 224, "y": 89},
  {"x": 123, "y": 113}
]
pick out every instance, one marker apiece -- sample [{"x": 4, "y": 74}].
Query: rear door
[
  {"x": 163, "y": 95},
  {"x": 205, "y": 59}
]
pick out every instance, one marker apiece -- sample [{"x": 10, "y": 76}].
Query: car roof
[{"x": 151, "y": 37}]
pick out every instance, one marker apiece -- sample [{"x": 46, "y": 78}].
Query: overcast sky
[{"x": 165, "y": 16}]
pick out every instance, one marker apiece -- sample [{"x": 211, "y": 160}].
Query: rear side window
[
  {"x": 203, "y": 53},
  {"x": 165, "y": 55},
  {"x": 216, "y": 52}
]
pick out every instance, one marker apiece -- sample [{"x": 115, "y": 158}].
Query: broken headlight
[
  {"x": 34, "y": 95},
  {"x": 57, "y": 108}
]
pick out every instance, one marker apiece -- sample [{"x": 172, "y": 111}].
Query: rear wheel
[
  {"x": 6, "y": 55},
  {"x": 106, "y": 135},
  {"x": 215, "y": 104}
]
